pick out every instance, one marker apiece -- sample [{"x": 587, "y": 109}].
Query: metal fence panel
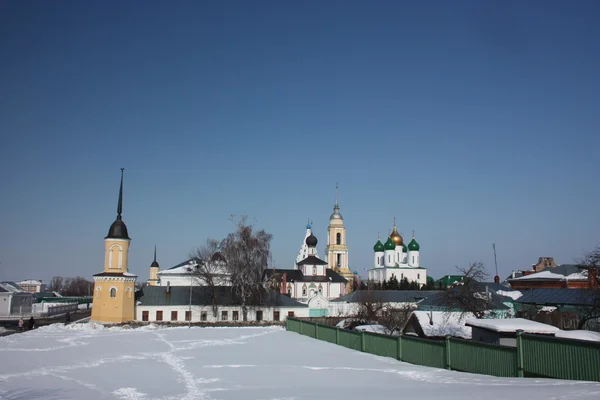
[
  {"x": 292, "y": 325},
  {"x": 561, "y": 358},
  {"x": 430, "y": 353},
  {"x": 482, "y": 358},
  {"x": 327, "y": 334},
  {"x": 350, "y": 339},
  {"x": 381, "y": 345}
]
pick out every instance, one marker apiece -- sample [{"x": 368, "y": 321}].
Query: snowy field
[{"x": 88, "y": 362}]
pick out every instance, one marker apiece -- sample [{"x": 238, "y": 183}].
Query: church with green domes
[{"x": 395, "y": 258}]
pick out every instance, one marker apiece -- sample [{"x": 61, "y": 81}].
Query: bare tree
[
  {"x": 372, "y": 308},
  {"x": 78, "y": 286},
  {"x": 211, "y": 269},
  {"x": 468, "y": 296},
  {"x": 393, "y": 319},
  {"x": 247, "y": 253},
  {"x": 56, "y": 284},
  {"x": 590, "y": 263}
]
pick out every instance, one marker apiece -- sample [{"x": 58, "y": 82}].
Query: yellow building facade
[
  {"x": 114, "y": 288},
  {"x": 336, "y": 252}
]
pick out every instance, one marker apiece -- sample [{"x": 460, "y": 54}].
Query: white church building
[{"x": 394, "y": 258}]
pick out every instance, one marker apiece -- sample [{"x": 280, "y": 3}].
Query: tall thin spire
[
  {"x": 413, "y": 233},
  {"x": 120, "y": 205},
  {"x": 394, "y": 222},
  {"x": 154, "y": 253},
  {"x": 336, "y": 195}
]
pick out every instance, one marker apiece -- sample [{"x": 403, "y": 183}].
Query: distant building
[
  {"x": 336, "y": 251},
  {"x": 395, "y": 259},
  {"x": 311, "y": 278},
  {"x": 173, "y": 304},
  {"x": 504, "y": 331},
  {"x": 32, "y": 286},
  {"x": 14, "y": 301},
  {"x": 565, "y": 276}
]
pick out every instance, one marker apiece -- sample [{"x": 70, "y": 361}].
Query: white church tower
[
  {"x": 304, "y": 250},
  {"x": 413, "y": 253}
]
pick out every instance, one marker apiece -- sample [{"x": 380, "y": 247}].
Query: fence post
[
  {"x": 448, "y": 360},
  {"x": 316, "y": 331},
  {"x": 337, "y": 335},
  {"x": 362, "y": 341},
  {"x": 399, "y": 348},
  {"x": 520, "y": 369},
  {"x": 301, "y": 328}
]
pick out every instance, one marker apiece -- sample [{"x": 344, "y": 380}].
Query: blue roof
[{"x": 574, "y": 297}]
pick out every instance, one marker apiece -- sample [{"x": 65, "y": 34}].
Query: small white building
[
  {"x": 395, "y": 259},
  {"x": 14, "y": 301},
  {"x": 32, "y": 286},
  {"x": 504, "y": 331}
]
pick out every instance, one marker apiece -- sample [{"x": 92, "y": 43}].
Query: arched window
[
  {"x": 98, "y": 291},
  {"x": 338, "y": 238},
  {"x": 113, "y": 292},
  {"x": 128, "y": 293},
  {"x": 315, "y": 270},
  {"x": 304, "y": 290},
  {"x": 115, "y": 256},
  {"x": 289, "y": 289}
]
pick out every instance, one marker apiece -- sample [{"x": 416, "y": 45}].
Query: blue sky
[{"x": 471, "y": 122}]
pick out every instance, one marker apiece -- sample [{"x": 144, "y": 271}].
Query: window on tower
[
  {"x": 339, "y": 259},
  {"x": 113, "y": 292},
  {"x": 314, "y": 270}
]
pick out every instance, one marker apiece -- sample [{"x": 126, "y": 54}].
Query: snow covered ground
[{"x": 87, "y": 361}]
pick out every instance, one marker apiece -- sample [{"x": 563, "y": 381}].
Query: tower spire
[
  {"x": 154, "y": 253},
  {"x": 336, "y": 195},
  {"x": 394, "y": 222},
  {"x": 413, "y": 233},
  {"x": 120, "y": 204}
]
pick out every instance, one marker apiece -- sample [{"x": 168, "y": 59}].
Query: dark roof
[
  {"x": 296, "y": 275},
  {"x": 563, "y": 269},
  {"x": 118, "y": 230},
  {"x": 312, "y": 260},
  {"x": 194, "y": 259},
  {"x": 202, "y": 295},
  {"x": 115, "y": 274},
  {"x": 436, "y": 300},
  {"x": 391, "y": 296},
  {"x": 575, "y": 297}
]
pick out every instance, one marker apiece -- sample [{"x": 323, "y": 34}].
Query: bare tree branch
[
  {"x": 467, "y": 295},
  {"x": 247, "y": 254}
]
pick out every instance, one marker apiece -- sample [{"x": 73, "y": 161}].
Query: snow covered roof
[
  {"x": 30, "y": 282},
  {"x": 11, "y": 287},
  {"x": 371, "y": 328},
  {"x": 512, "y": 325},
  {"x": 562, "y": 272},
  {"x": 579, "y": 335},
  {"x": 513, "y": 294},
  {"x": 439, "y": 323}
]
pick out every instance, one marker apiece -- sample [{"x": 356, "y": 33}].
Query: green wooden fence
[{"x": 534, "y": 355}]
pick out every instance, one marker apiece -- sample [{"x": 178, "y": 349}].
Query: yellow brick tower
[
  {"x": 114, "y": 289},
  {"x": 337, "y": 250}
]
